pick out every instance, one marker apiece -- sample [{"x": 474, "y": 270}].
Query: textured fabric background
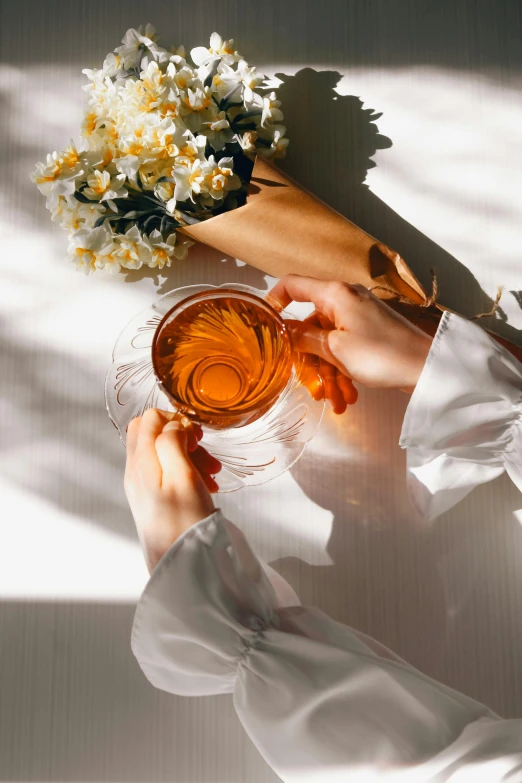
[{"x": 438, "y": 178}]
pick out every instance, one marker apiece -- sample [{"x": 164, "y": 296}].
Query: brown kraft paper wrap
[{"x": 283, "y": 229}]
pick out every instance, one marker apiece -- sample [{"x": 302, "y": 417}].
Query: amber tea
[{"x": 223, "y": 357}]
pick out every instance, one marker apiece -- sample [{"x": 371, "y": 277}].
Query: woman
[{"x": 321, "y": 701}]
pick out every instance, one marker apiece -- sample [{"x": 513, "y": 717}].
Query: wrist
[{"x": 416, "y": 361}]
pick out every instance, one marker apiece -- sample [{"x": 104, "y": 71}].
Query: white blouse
[{"x": 321, "y": 701}]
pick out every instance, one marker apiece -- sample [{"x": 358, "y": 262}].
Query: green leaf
[
  {"x": 150, "y": 220},
  {"x": 244, "y": 115},
  {"x": 134, "y": 213},
  {"x": 166, "y": 179},
  {"x": 245, "y": 127},
  {"x": 188, "y": 218}
]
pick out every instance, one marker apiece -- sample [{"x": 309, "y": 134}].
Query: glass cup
[
  {"x": 222, "y": 357},
  {"x": 252, "y": 453}
]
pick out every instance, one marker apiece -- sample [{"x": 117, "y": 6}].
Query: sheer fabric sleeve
[
  {"x": 463, "y": 424},
  {"x": 319, "y": 701}
]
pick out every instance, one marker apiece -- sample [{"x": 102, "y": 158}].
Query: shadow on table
[
  {"x": 332, "y": 157},
  {"x": 426, "y": 590}
]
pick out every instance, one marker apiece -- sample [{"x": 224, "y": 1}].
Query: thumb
[
  {"x": 307, "y": 338},
  {"x": 172, "y": 450}
]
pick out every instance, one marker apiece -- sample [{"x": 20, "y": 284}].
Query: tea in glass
[{"x": 223, "y": 357}]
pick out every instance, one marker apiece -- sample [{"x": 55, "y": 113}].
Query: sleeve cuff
[{"x": 463, "y": 424}]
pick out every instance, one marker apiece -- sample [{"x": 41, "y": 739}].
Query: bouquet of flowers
[
  {"x": 175, "y": 150},
  {"x": 165, "y": 144}
]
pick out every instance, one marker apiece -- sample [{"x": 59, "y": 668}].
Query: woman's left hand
[{"x": 168, "y": 480}]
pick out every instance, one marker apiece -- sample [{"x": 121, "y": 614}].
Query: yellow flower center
[
  {"x": 187, "y": 152},
  {"x": 82, "y": 251},
  {"x": 198, "y": 105},
  {"x": 71, "y": 157},
  {"x": 169, "y": 108},
  {"x": 133, "y": 148},
  {"x": 51, "y": 177},
  {"x": 89, "y": 124},
  {"x": 160, "y": 255}
]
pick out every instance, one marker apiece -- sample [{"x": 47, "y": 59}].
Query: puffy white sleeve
[
  {"x": 321, "y": 703},
  {"x": 463, "y": 425}
]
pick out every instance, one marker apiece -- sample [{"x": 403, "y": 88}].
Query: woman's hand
[
  {"x": 355, "y": 333},
  {"x": 168, "y": 480}
]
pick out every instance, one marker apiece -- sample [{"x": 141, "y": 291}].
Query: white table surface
[{"x": 443, "y": 189}]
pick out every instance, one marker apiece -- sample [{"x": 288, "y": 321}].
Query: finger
[
  {"x": 327, "y": 296},
  {"x": 211, "y": 484},
  {"x": 152, "y": 423},
  {"x": 171, "y": 447},
  {"x": 312, "y": 319},
  {"x": 192, "y": 432},
  {"x": 307, "y": 338},
  {"x": 132, "y": 436},
  {"x": 347, "y": 388},
  {"x": 324, "y": 322},
  {"x": 332, "y": 391},
  {"x": 306, "y": 366},
  {"x": 205, "y": 462}
]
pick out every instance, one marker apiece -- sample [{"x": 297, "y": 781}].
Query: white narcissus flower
[
  {"x": 165, "y": 191},
  {"x": 184, "y": 78},
  {"x": 226, "y": 81},
  {"x": 219, "y": 48},
  {"x": 190, "y": 179},
  {"x": 162, "y": 250},
  {"x": 197, "y": 107},
  {"x": 164, "y": 139},
  {"x": 136, "y": 44},
  {"x": 277, "y": 148},
  {"x": 55, "y": 177},
  {"x": 219, "y": 132},
  {"x": 248, "y": 141},
  {"x": 196, "y": 100},
  {"x": 271, "y": 110},
  {"x": 151, "y": 171},
  {"x": 103, "y": 187},
  {"x": 177, "y": 55},
  {"x": 250, "y": 79},
  {"x": 131, "y": 250},
  {"x": 102, "y": 92},
  {"x": 220, "y": 122},
  {"x": 73, "y": 215},
  {"x": 128, "y": 165},
  {"x": 221, "y": 178},
  {"x": 193, "y": 148},
  {"x": 112, "y": 65},
  {"x": 87, "y": 244}
]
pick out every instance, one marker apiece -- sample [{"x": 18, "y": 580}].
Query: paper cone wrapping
[{"x": 283, "y": 229}]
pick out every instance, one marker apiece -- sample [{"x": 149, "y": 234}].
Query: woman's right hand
[{"x": 358, "y": 334}]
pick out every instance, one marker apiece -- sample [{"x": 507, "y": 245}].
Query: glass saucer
[{"x": 252, "y": 454}]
